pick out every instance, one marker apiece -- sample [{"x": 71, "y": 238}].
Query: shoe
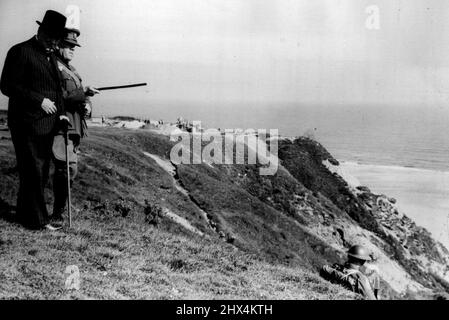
[
  {"x": 56, "y": 219},
  {"x": 57, "y": 224},
  {"x": 52, "y": 227}
]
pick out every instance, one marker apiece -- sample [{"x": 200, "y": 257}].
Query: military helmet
[{"x": 359, "y": 252}]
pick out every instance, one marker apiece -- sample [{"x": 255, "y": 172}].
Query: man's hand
[
  {"x": 90, "y": 91},
  {"x": 87, "y": 109},
  {"x": 48, "y": 106}
]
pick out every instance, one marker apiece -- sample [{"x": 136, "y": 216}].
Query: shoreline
[
  {"x": 391, "y": 166},
  {"x": 421, "y": 194}
]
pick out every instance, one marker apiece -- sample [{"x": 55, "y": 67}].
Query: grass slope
[{"x": 124, "y": 252}]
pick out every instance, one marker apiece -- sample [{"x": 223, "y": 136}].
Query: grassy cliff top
[
  {"x": 147, "y": 228},
  {"x": 129, "y": 238}
]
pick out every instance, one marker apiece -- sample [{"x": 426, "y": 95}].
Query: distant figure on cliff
[
  {"x": 77, "y": 107},
  {"x": 350, "y": 275},
  {"x": 31, "y": 81}
]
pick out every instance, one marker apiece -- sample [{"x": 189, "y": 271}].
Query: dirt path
[{"x": 171, "y": 169}]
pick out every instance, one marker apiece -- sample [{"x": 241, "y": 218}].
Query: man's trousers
[{"x": 33, "y": 155}]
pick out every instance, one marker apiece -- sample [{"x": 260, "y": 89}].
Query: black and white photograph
[{"x": 247, "y": 151}]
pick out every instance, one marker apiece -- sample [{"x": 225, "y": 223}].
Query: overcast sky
[{"x": 312, "y": 51}]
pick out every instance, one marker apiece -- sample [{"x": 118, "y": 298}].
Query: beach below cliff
[{"x": 422, "y": 194}]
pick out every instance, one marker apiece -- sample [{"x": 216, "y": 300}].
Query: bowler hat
[
  {"x": 71, "y": 38},
  {"x": 53, "y": 23}
]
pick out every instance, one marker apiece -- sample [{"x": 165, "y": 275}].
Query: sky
[{"x": 280, "y": 51}]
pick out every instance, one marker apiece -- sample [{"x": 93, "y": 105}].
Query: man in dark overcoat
[{"x": 30, "y": 79}]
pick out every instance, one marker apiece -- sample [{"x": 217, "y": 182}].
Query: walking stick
[
  {"x": 67, "y": 162},
  {"x": 123, "y": 87}
]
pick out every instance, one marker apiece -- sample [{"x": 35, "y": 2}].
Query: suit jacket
[{"x": 30, "y": 75}]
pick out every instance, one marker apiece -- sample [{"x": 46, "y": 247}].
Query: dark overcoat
[{"x": 29, "y": 75}]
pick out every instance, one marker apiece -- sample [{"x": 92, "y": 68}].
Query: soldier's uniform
[
  {"x": 350, "y": 277},
  {"x": 75, "y": 101},
  {"x": 371, "y": 271}
]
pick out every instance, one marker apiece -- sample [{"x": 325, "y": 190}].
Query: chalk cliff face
[
  {"x": 310, "y": 212},
  {"x": 306, "y": 215},
  {"x": 408, "y": 257}
]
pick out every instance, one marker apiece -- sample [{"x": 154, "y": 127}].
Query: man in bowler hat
[{"x": 30, "y": 79}]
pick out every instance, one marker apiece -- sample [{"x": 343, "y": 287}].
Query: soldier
[
  {"x": 350, "y": 275},
  {"x": 77, "y": 107}
]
